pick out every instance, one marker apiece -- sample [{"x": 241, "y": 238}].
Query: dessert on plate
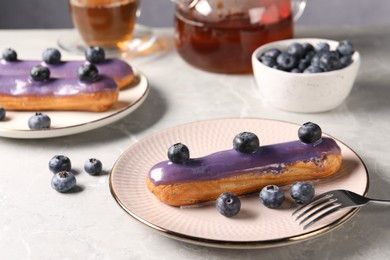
[{"x": 245, "y": 169}]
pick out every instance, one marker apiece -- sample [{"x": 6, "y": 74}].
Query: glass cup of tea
[
  {"x": 105, "y": 23},
  {"x": 221, "y": 35},
  {"x": 110, "y": 24}
]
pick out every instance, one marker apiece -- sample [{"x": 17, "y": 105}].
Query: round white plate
[
  {"x": 255, "y": 226},
  {"x": 72, "y": 122}
]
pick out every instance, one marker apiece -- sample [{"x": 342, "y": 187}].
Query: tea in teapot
[{"x": 221, "y": 35}]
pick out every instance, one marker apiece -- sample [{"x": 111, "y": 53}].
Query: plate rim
[
  {"x": 75, "y": 129},
  {"x": 236, "y": 244}
]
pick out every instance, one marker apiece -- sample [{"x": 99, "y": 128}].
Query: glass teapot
[{"x": 220, "y": 35}]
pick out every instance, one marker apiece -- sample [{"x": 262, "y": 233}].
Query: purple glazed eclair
[
  {"x": 120, "y": 71},
  {"x": 205, "y": 178},
  {"x": 23, "y": 93}
]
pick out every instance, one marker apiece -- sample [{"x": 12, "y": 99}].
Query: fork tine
[
  {"x": 332, "y": 210},
  {"x": 313, "y": 202},
  {"x": 326, "y": 206},
  {"x": 315, "y": 205}
]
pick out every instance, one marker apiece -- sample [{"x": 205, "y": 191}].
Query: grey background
[{"x": 28, "y": 14}]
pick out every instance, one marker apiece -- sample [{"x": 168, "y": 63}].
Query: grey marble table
[{"x": 38, "y": 223}]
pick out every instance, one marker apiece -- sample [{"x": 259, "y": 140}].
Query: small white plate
[
  {"x": 255, "y": 226},
  {"x": 72, "y": 122}
]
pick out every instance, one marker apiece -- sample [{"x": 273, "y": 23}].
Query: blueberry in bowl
[{"x": 306, "y": 75}]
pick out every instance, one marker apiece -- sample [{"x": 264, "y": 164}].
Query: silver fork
[{"x": 328, "y": 203}]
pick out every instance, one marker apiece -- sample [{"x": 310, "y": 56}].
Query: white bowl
[{"x": 303, "y": 92}]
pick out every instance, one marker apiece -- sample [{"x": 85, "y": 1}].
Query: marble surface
[{"x": 37, "y": 222}]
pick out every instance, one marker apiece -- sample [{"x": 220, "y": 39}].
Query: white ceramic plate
[
  {"x": 72, "y": 122},
  {"x": 255, "y": 226}
]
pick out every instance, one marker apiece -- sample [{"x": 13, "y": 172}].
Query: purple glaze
[
  {"x": 22, "y": 85},
  {"x": 113, "y": 68},
  {"x": 227, "y": 163}
]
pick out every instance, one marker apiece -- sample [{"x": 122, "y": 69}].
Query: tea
[
  {"x": 105, "y": 23},
  {"x": 226, "y": 46}
]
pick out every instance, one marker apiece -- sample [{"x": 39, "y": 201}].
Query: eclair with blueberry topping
[
  {"x": 88, "y": 91},
  {"x": 245, "y": 169},
  {"x": 120, "y": 71}
]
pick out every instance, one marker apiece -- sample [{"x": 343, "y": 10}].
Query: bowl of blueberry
[{"x": 306, "y": 75}]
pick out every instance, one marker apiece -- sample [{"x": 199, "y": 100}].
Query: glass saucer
[{"x": 143, "y": 40}]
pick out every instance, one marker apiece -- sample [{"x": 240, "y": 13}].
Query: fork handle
[{"x": 378, "y": 201}]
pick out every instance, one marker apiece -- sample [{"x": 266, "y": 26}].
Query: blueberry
[
  {"x": 345, "y": 48},
  {"x": 268, "y": 61},
  {"x": 9, "y": 55},
  {"x": 59, "y": 163},
  {"x": 313, "y": 69},
  {"x": 315, "y": 60},
  {"x": 228, "y": 204},
  {"x": 278, "y": 67},
  {"x": 63, "y": 181},
  {"x": 329, "y": 61},
  {"x": 2, "y": 113},
  {"x": 93, "y": 166},
  {"x": 322, "y": 46},
  {"x": 246, "y": 142},
  {"x": 39, "y": 121},
  {"x": 307, "y": 47},
  {"x": 40, "y": 73},
  {"x": 310, "y": 55},
  {"x": 272, "y": 196},
  {"x": 95, "y": 54},
  {"x": 296, "y": 49},
  {"x": 302, "y": 192},
  {"x": 296, "y": 70},
  {"x": 51, "y": 56},
  {"x": 178, "y": 153},
  {"x": 345, "y": 61},
  {"x": 286, "y": 61},
  {"x": 88, "y": 72},
  {"x": 309, "y": 133},
  {"x": 273, "y": 53},
  {"x": 303, "y": 64}
]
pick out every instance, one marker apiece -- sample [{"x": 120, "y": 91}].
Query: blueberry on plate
[
  {"x": 40, "y": 73},
  {"x": 51, "y": 56},
  {"x": 345, "y": 48},
  {"x": 63, "y": 181},
  {"x": 93, "y": 166},
  {"x": 272, "y": 196},
  {"x": 302, "y": 192},
  {"x": 2, "y": 113},
  {"x": 95, "y": 54},
  {"x": 9, "y": 55},
  {"x": 88, "y": 72},
  {"x": 39, "y": 121},
  {"x": 178, "y": 153},
  {"x": 60, "y": 163},
  {"x": 228, "y": 204},
  {"x": 287, "y": 61},
  {"x": 246, "y": 142},
  {"x": 309, "y": 133}
]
